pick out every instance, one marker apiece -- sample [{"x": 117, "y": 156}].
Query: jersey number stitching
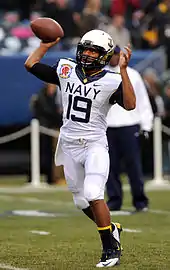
[{"x": 74, "y": 103}]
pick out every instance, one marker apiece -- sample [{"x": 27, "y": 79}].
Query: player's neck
[{"x": 92, "y": 72}]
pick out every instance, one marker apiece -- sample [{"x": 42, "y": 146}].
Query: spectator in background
[
  {"x": 161, "y": 22},
  {"x": 48, "y": 113},
  {"x": 10, "y": 19},
  {"x": 155, "y": 25},
  {"x": 77, "y": 5},
  {"x": 123, "y": 138},
  {"x": 106, "y": 5},
  {"x": 25, "y": 8},
  {"x": 144, "y": 24},
  {"x": 118, "y": 32},
  {"x": 153, "y": 84},
  {"x": 91, "y": 17},
  {"x": 8, "y": 42},
  {"x": 60, "y": 11},
  {"x": 126, "y": 8},
  {"x": 16, "y": 35}
]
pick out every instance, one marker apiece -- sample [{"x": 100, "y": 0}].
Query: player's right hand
[
  {"x": 50, "y": 44},
  {"x": 125, "y": 57}
]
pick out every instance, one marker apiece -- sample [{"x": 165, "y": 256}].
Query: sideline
[{"x": 10, "y": 267}]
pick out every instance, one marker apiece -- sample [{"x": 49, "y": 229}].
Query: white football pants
[{"x": 86, "y": 168}]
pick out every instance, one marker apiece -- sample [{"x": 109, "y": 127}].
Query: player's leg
[
  {"x": 133, "y": 166},
  {"x": 116, "y": 227},
  {"x": 88, "y": 212},
  {"x": 74, "y": 175},
  {"x": 113, "y": 185},
  {"x": 96, "y": 169}
]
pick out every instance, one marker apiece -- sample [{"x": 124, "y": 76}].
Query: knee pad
[
  {"x": 80, "y": 201},
  {"x": 94, "y": 186}
]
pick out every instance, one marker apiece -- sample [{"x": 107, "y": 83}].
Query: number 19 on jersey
[{"x": 74, "y": 104}]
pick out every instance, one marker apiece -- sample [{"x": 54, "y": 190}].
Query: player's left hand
[{"x": 125, "y": 57}]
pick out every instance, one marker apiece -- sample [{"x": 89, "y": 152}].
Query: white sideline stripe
[
  {"x": 120, "y": 213},
  {"x": 131, "y": 230},
  {"x": 71, "y": 204},
  {"x": 6, "y": 266},
  {"x": 40, "y": 232},
  {"x": 156, "y": 211}
]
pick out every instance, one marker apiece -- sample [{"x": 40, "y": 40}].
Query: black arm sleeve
[
  {"x": 45, "y": 73},
  {"x": 117, "y": 97}
]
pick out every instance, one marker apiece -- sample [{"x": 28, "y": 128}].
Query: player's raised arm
[
  {"x": 50, "y": 32},
  {"x": 38, "y": 54},
  {"x": 42, "y": 71},
  {"x": 129, "y": 98}
]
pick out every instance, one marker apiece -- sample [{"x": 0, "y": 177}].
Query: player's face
[
  {"x": 89, "y": 57},
  {"x": 91, "y": 52}
]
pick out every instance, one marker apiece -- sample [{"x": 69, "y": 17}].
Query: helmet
[{"x": 95, "y": 39}]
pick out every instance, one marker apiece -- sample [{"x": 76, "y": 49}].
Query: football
[{"x": 46, "y": 29}]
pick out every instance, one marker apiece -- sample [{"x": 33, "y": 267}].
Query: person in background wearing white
[{"x": 124, "y": 128}]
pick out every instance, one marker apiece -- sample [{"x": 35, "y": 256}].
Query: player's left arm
[{"x": 129, "y": 98}]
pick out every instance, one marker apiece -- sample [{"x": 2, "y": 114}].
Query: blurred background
[{"x": 143, "y": 23}]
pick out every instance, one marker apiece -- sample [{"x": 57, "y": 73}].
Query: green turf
[
  {"x": 73, "y": 243},
  {"x": 15, "y": 180}
]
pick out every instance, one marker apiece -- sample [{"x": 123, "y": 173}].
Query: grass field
[{"x": 73, "y": 242}]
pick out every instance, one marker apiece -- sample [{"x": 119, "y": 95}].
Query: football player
[{"x": 88, "y": 91}]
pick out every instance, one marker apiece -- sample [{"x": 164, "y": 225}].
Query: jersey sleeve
[
  {"x": 117, "y": 97},
  {"x": 45, "y": 73}
]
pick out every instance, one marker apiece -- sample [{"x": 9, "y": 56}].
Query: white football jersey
[{"x": 85, "y": 100}]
